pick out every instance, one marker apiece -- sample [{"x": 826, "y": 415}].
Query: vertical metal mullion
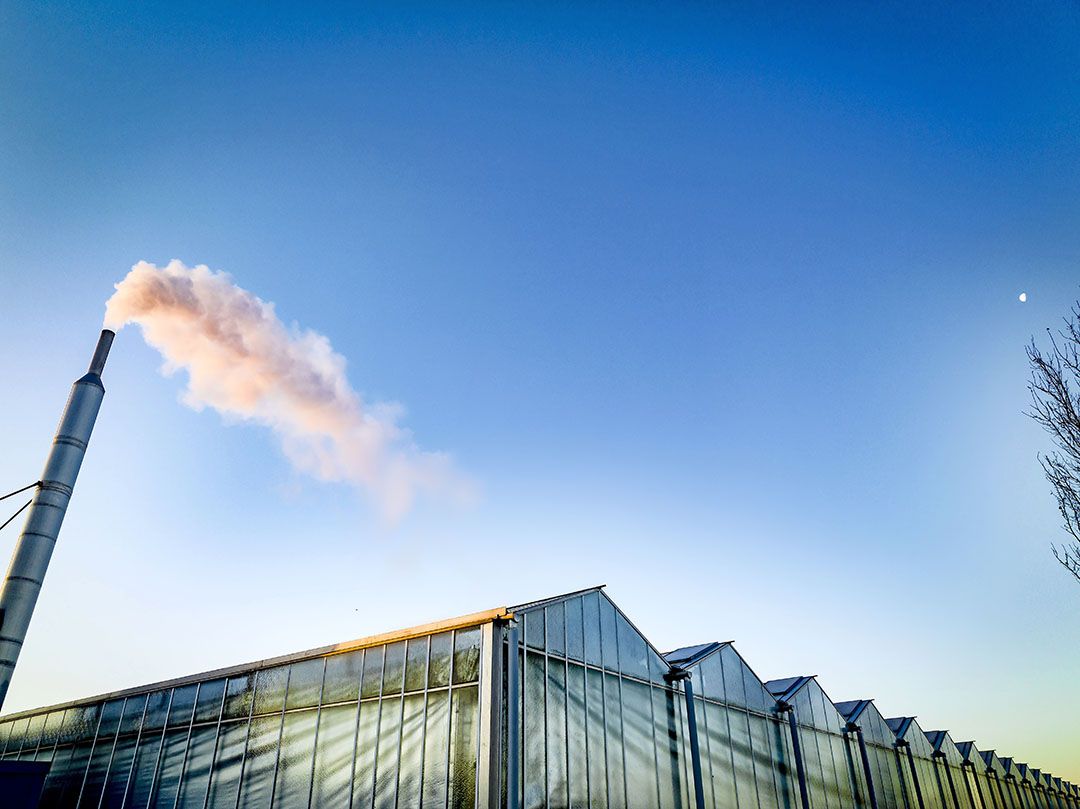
[
  {"x": 378, "y": 728},
  {"x": 401, "y": 722},
  {"x": 280, "y": 738},
  {"x": 450, "y": 718},
  {"x": 423, "y": 725},
  {"x": 356, "y": 729},
  {"x": 315, "y": 744},
  {"x": 513, "y": 719}
]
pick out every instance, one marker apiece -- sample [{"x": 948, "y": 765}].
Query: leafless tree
[{"x": 1055, "y": 398}]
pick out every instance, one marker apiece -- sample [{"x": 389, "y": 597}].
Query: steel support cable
[
  {"x": 33, "y": 485},
  {"x": 16, "y": 514}
]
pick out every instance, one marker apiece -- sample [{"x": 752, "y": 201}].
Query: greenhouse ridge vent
[{"x": 554, "y": 703}]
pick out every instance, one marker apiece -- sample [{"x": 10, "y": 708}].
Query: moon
[{"x": 1023, "y": 297}]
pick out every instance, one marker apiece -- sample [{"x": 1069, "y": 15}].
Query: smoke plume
[{"x": 242, "y": 361}]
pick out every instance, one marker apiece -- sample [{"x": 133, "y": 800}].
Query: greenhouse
[{"x": 553, "y": 703}]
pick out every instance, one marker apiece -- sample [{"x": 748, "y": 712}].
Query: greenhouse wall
[
  {"x": 392, "y": 724},
  {"x": 558, "y": 703}
]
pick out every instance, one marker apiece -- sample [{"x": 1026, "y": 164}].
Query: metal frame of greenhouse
[{"x": 554, "y": 703}]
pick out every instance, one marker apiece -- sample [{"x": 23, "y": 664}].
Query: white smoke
[{"x": 245, "y": 363}]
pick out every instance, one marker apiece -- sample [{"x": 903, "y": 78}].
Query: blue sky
[{"x": 718, "y": 306}]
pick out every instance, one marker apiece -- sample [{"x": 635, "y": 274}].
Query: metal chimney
[{"x": 34, "y": 548}]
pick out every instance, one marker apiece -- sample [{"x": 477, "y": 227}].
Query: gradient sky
[{"x": 718, "y": 306}]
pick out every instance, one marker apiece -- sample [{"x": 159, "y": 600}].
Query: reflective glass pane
[
  {"x": 334, "y": 747},
  {"x": 665, "y": 733},
  {"x": 367, "y": 743},
  {"x": 343, "y": 673},
  {"x": 609, "y": 635},
  {"x": 638, "y": 744},
  {"x": 613, "y": 712},
  {"x": 102, "y": 754},
  {"x": 134, "y": 708},
  {"x": 228, "y": 761},
  {"x": 632, "y": 651},
  {"x": 269, "y": 695},
  {"x": 576, "y": 735},
  {"x": 439, "y": 667},
  {"x": 296, "y": 760},
  {"x": 416, "y": 664},
  {"x": 386, "y": 760},
  {"x": 80, "y": 724},
  {"x": 32, "y": 736},
  {"x": 183, "y": 704},
  {"x": 67, "y": 793},
  {"x": 239, "y": 694},
  {"x": 373, "y": 666},
  {"x": 412, "y": 751},
  {"x": 54, "y": 781},
  {"x": 170, "y": 764},
  {"x": 260, "y": 760},
  {"x": 110, "y": 718},
  {"x": 200, "y": 757},
  {"x": 590, "y": 603},
  {"x": 119, "y": 769},
  {"x": 467, "y": 655},
  {"x": 557, "y": 783},
  {"x": 534, "y": 734},
  {"x": 146, "y": 761},
  {"x": 597, "y": 738},
  {"x": 555, "y": 618},
  {"x": 436, "y": 747},
  {"x": 157, "y": 710},
  {"x": 464, "y": 708},
  {"x": 534, "y": 629},
  {"x": 394, "y": 668},
  {"x": 51, "y": 731},
  {"x": 305, "y": 684},
  {"x": 721, "y": 765},
  {"x": 208, "y": 704},
  {"x": 575, "y": 630}
]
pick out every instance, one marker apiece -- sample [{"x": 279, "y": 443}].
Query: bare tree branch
[{"x": 1055, "y": 405}]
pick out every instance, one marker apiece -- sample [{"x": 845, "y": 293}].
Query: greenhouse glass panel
[
  {"x": 412, "y": 751},
  {"x": 466, "y": 655},
  {"x": 555, "y": 722},
  {"x": 260, "y": 754},
  {"x": 269, "y": 695},
  {"x": 116, "y": 781},
  {"x": 442, "y": 646},
  {"x": 334, "y": 748},
  {"x": 343, "y": 672},
  {"x": 555, "y": 622},
  {"x": 207, "y": 703},
  {"x": 182, "y": 706},
  {"x": 464, "y": 709},
  {"x": 305, "y": 684},
  {"x": 416, "y": 664},
  {"x": 577, "y": 735},
  {"x": 436, "y": 748},
  {"x": 200, "y": 759},
  {"x": 296, "y": 758},
  {"x": 170, "y": 765},
  {"x": 367, "y": 740}
]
